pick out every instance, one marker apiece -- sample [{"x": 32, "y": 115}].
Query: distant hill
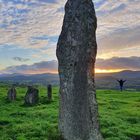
[
  {"x": 109, "y": 80},
  {"x": 103, "y": 80},
  {"x": 122, "y": 74},
  {"x": 46, "y": 78}
]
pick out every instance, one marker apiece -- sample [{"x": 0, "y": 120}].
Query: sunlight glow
[{"x": 107, "y": 71}]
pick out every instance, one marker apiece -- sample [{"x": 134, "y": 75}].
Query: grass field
[{"x": 119, "y": 116}]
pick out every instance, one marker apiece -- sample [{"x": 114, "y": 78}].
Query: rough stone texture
[
  {"x": 32, "y": 96},
  {"x": 49, "y": 92},
  {"x": 76, "y": 52},
  {"x": 12, "y": 94}
]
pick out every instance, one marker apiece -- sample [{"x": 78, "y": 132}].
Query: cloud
[
  {"x": 1, "y": 66},
  {"x": 118, "y": 41},
  {"x": 124, "y": 63},
  {"x": 47, "y": 1},
  {"x": 20, "y": 59},
  {"x": 36, "y": 68},
  {"x": 22, "y": 20},
  {"x": 118, "y": 26},
  {"x": 34, "y": 25},
  {"x": 127, "y": 63}
]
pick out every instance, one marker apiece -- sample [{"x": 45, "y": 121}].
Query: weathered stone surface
[
  {"x": 32, "y": 96},
  {"x": 11, "y": 95},
  {"x": 76, "y": 52},
  {"x": 49, "y": 92}
]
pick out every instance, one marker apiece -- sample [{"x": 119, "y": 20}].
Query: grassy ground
[{"x": 119, "y": 116}]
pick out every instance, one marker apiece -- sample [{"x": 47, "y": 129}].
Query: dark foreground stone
[
  {"x": 11, "y": 95},
  {"x": 76, "y": 52},
  {"x": 32, "y": 96}
]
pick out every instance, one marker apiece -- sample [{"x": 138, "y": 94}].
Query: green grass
[{"x": 119, "y": 116}]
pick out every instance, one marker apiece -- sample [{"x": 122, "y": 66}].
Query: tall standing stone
[
  {"x": 11, "y": 95},
  {"x": 76, "y": 52},
  {"x": 49, "y": 92},
  {"x": 32, "y": 96}
]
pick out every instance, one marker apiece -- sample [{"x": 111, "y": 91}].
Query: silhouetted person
[{"x": 121, "y": 83}]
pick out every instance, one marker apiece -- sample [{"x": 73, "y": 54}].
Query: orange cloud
[{"x": 41, "y": 71}]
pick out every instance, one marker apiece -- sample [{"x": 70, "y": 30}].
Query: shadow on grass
[
  {"x": 55, "y": 136},
  {"x": 5, "y": 100},
  {"x": 29, "y": 105},
  {"x": 41, "y": 102},
  {"x": 4, "y": 123},
  {"x": 44, "y": 100},
  {"x": 18, "y": 114},
  {"x": 136, "y": 137}
]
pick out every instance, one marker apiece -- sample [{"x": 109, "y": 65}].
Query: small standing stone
[
  {"x": 12, "y": 94},
  {"x": 32, "y": 96},
  {"x": 49, "y": 92}
]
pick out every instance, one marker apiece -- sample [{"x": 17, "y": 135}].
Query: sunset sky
[{"x": 29, "y": 31}]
